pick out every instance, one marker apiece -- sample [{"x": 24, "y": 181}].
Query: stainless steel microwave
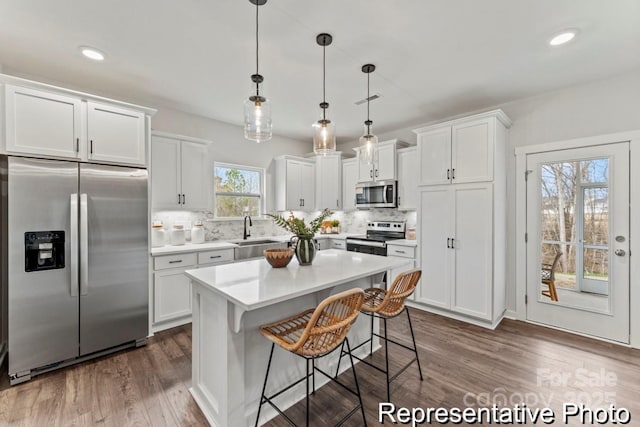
[{"x": 378, "y": 194}]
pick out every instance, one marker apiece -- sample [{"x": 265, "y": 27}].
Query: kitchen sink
[{"x": 248, "y": 249}]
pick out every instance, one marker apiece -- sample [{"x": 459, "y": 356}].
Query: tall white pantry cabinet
[{"x": 462, "y": 217}]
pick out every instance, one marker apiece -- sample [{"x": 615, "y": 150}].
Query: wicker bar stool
[
  {"x": 385, "y": 304},
  {"x": 312, "y": 334}
]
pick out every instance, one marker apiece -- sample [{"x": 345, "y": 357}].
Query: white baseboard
[
  {"x": 170, "y": 324},
  {"x": 482, "y": 323},
  {"x": 511, "y": 314}
]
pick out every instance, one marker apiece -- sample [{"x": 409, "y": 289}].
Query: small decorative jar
[
  {"x": 177, "y": 235},
  {"x": 197, "y": 233},
  {"x": 158, "y": 235}
]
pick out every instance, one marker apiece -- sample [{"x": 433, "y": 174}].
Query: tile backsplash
[{"x": 350, "y": 222}]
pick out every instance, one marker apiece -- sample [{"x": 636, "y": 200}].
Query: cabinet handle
[
  {"x": 399, "y": 199},
  {"x": 299, "y": 202},
  {"x": 453, "y": 173},
  {"x": 400, "y": 252},
  {"x": 302, "y": 202},
  {"x": 371, "y": 173},
  {"x": 77, "y": 145},
  {"x": 376, "y": 173},
  {"x": 177, "y": 261},
  {"x": 448, "y": 174},
  {"x": 337, "y": 203},
  {"x": 215, "y": 256},
  {"x": 91, "y": 146},
  {"x": 178, "y": 198},
  {"x": 448, "y": 243},
  {"x": 183, "y": 199},
  {"x": 452, "y": 240}
]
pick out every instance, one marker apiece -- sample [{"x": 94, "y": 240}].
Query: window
[{"x": 238, "y": 190}]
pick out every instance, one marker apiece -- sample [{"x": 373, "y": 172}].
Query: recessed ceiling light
[
  {"x": 563, "y": 37},
  {"x": 92, "y": 53}
]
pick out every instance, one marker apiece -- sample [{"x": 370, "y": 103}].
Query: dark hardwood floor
[{"x": 462, "y": 365}]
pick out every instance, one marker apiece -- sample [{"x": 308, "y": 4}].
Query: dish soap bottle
[{"x": 197, "y": 233}]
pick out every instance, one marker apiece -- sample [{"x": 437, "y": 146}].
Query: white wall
[{"x": 604, "y": 106}]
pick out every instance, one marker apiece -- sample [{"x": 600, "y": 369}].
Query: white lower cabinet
[
  {"x": 171, "y": 295},
  {"x": 456, "y": 249},
  {"x": 172, "y": 288},
  {"x": 401, "y": 251}
]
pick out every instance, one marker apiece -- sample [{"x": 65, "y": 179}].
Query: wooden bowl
[{"x": 278, "y": 258}]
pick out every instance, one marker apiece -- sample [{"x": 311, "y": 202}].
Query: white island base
[{"x": 231, "y": 302}]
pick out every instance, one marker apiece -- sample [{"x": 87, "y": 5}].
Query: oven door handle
[{"x": 366, "y": 243}]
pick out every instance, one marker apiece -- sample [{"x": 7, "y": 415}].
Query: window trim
[{"x": 261, "y": 196}]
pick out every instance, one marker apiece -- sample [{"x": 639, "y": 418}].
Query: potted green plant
[
  {"x": 335, "y": 226},
  {"x": 302, "y": 242}
]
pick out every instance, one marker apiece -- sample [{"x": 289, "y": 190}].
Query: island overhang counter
[{"x": 231, "y": 301}]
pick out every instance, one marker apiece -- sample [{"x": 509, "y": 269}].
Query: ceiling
[{"x": 434, "y": 58}]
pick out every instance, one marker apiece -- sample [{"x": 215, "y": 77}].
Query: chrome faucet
[{"x": 247, "y": 232}]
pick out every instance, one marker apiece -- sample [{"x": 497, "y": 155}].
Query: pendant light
[
  {"x": 368, "y": 141},
  {"x": 324, "y": 131},
  {"x": 257, "y": 109}
]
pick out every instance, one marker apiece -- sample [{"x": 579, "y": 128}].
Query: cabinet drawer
[
  {"x": 401, "y": 251},
  {"x": 338, "y": 244},
  {"x": 215, "y": 257},
  {"x": 174, "y": 261}
]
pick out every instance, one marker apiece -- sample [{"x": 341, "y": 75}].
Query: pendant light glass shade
[
  {"x": 257, "y": 119},
  {"x": 324, "y": 130},
  {"x": 368, "y": 146},
  {"x": 257, "y": 109},
  {"x": 324, "y": 137},
  {"x": 368, "y": 152}
]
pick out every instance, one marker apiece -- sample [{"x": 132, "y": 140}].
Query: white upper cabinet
[
  {"x": 329, "y": 182},
  {"x": 58, "y": 123},
  {"x": 349, "y": 181},
  {"x": 116, "y": 135},
  {"x": 434, "y": 151},
  {"x": 42, "y": 123},
  {"x": 460, "y": 151},
  {"x": 181, "y": 174},
  {"x": 384, "y": 169},
  {"x": 407, "y": 182},
  {"x": 294, "y": 184}
]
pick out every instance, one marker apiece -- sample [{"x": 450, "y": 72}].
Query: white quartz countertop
[
  {"x": 206, "y": 246},
  {"x": 403, "y": 242},
  {"x": 191, "y": 247},
  {"x": 254, "y": 284}
]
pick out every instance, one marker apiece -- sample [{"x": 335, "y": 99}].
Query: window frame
[{"x": 262, "y": 186}]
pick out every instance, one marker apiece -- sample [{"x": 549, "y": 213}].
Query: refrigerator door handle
[
  {"x": 84, "y": 245},
  {"x": 73, "y": 220}
]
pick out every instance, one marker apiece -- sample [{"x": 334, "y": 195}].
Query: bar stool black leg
[
  {"x": 313, "y": 374},
  {"x": 371, "y": 342},
  {"x": 307, "y": 394},
  {"x": 386, "y": 358},
  {"x": 355, "y": 379},
  {"x": 413, "y": 338},
  {"x": 264, "y": 386},
  {"x": 339, "y": 360}
]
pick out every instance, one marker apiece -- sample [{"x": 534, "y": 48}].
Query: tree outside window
[{"x": 238, "y": 190}]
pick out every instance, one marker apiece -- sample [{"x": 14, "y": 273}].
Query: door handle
[
  {"x": 84, "y": 245},
  {"x": 73, "y": 225},
  {"x": 620, "y": 252}
]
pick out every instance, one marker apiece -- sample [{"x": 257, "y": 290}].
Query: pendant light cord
[
  {"x": 257, "y": 46},
  {"x": 324, "y": 72},
  {"x": 368, "y": 97}
]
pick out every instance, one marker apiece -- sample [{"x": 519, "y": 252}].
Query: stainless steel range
[{"x": 378, "y": 234}]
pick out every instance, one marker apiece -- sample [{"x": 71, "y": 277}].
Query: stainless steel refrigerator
[{"x": 76, "y": 261}]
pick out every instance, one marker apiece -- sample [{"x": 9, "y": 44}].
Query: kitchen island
[{"x": 231, "y": 301}]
